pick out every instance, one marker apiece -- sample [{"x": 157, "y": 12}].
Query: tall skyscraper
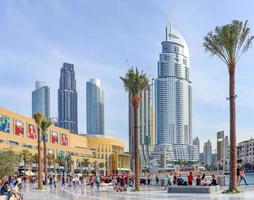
[
  {"x": 173, "y": 102},
  {"x": 68, "y": 99},
  {"x": 94, "y": 107},
  {"x": 208, "y": 153},
  {"x": 197, "y": 143},
  {"x": 41, "y": 99},
  {"x": 220, "y": 148},
  {"x": 146, "y": 127},
  {"x": 173, "y": 91}
]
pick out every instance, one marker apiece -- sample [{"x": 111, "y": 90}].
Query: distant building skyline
[
  {"x": 207, "y": 153},
  {"x": 245, "y": 151},
  {"x": 41, "y": 99},
  {"x": 68, "y": 99},
  {"x": 94, "y": 107},
  {"x": 196, "y": 142},
  {"x": 33, "y": 48},
  {"x": 220, "y": 148}
]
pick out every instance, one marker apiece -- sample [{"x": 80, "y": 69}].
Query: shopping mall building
[{"x": 18, "y": 132}]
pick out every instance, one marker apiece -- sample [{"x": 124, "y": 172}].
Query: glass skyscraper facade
[
  {"x": 41, "y": 99},
  {"x": 173, "y": 103},
  {"x": 94, "y": 107},
  {"x": 68, "y": 99},
  {"x": 208, "y": 153},
  {"x": 173, "y": 91}
]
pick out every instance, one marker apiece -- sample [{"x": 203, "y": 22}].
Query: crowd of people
[
  {"x": 177, "y": 179},
  {"x": 120, "y": 182},
  {"x": 10, "y": 187}
]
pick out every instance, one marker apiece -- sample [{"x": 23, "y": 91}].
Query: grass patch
[{"x": 231, "y": 191}]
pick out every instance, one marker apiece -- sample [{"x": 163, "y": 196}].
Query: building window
[
  {"x": 13, "y": 143},
  {"x": 176, "y": 49},
  {"x": 28, "y": 146},
  {"x": 185, "y": 61}
]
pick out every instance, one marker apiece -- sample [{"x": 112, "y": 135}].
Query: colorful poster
[
  {"x": 19, "y": 128},
  {"x": 5, "y": 123},
  {"x": 64, "y": 140},
  {"x": 31, "y": 131},
  {"x": 54, "y": 137}
]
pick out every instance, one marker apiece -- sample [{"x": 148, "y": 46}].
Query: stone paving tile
[{"x": 30, "y": 193}]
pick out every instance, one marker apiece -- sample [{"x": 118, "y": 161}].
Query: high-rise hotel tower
[
  {"x": 68, "y": 99},
  {"x": 41, "y": 99},
  {"x": 173, "y": 101},
  {"x": 94, "y": 107}
]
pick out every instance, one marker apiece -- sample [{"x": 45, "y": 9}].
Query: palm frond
[
  {"x": 135, "y": 81},
  {"x": 38, "y": 117},
  {"x": 229, "y": 42},
  {"x": 45, "y": 124}
]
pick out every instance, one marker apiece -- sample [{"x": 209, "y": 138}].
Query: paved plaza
[{"x": 78, "y": 193}]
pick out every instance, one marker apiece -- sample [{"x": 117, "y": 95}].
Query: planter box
[{"x": 193, "y": 189}]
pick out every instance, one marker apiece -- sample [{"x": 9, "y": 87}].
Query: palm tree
[
  {"x": 136, "y": 82},
  {"x": 26, "y": 157},
  {"x": 229, "y": 42},
  {"x": 69, "y": 162},
  {"x": 51, "y": 160},
  {"x": 35, "y": 159},
  {"x": 38, "y": 117},
  {"x": 101, "y": 166},
  {"x": 60, "y": 161},
  {"x": 45, "y": 124},
  {"x": 85, "y": 163}
]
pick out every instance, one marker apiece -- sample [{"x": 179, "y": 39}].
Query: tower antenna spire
[{"x": 170, "y": 27}]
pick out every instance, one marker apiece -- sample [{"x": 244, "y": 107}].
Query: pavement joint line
[{"x": 92, "y": 197}]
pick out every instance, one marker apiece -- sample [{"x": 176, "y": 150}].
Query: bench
[{"x": 193, "y": 189}]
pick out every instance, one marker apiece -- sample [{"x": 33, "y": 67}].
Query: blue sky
[{"x": 98, "y": 36}]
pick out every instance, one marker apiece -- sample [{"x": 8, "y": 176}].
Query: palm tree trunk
[
  {"x": 39, "y": 160},
  {"x": 136, "y": 100},
  {"x": 233, "y": 153},
  {"x": 45, "y": 159}
]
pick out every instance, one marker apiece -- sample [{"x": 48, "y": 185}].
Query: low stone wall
[{"x": 193, "y": 189}]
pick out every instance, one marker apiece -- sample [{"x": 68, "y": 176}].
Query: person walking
[
  {"x": 91, "y": 181},
  {"x": 97, "y": 181},
  {"x": 149, "y": 179},
  {"x": 63, "y": 181},
  {"x": 242, "y": 176},
  {"x": 169, "y": 182},
  {"x": 157, "y": 180},
  {"x": 238, "y": 174},
  {"x": 54, "y": 181}
]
